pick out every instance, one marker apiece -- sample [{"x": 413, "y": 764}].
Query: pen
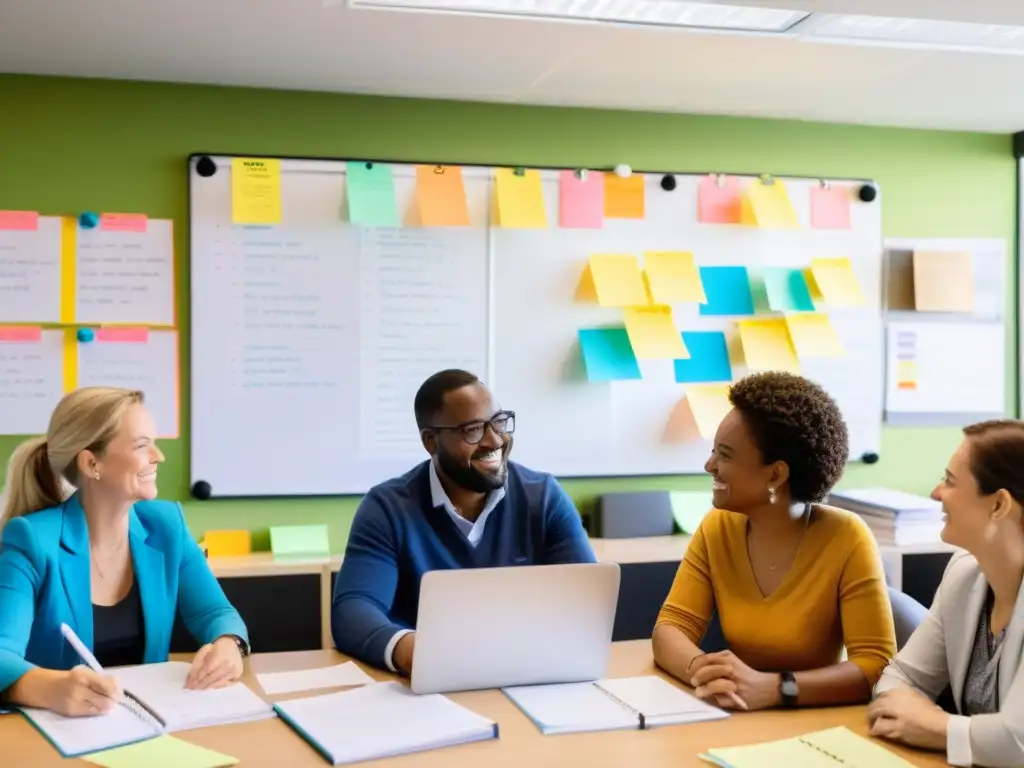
[{"x": 80, "y": 649}]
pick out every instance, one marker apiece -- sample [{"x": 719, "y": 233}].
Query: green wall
[{"x": 73, "y": 145}]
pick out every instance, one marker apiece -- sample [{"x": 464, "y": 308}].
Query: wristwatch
[
  {"x": 243, "y": 647},
  {"x": 788, "y": 689}
]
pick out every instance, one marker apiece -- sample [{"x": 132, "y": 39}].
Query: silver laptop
[{"x": 522, "y": 625}]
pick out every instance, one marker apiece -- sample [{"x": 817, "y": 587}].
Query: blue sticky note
[
  {"x": 608, "y": 355},
  {"x": 787, "y": 290},
  {"x": 371, "y": 195},
  {"x": 708, "y": 361},
  {"x": 727, "y": 290}
]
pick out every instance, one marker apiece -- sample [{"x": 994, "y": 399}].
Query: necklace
[
  {"x": 807, "y": 517},
  {"x": 106, "y": 558}
]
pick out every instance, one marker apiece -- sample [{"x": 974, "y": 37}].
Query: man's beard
[{"x": 469, "y": 477}]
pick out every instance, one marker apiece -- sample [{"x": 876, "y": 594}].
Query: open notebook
[
  {"x": 831, "y": 748},
  {"x": 610, "y": 704},
  {"x": 155, "y": 702},
  {"x": 382, "y": 720}
]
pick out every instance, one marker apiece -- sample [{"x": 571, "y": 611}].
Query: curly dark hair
[{"x": 794, "y": 420}]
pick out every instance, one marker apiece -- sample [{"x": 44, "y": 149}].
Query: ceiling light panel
[{"x": 926, "y": 32}]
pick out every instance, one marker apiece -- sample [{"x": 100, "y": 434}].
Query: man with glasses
[{"x": 466, "y": 506}]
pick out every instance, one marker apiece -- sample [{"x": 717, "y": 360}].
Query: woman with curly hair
[{"x": 793, "y": 581}]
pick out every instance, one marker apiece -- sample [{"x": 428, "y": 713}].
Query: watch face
[{"x": 790, "y": 688}]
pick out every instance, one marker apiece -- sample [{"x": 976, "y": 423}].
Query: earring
[
  {"x": 97, "y": 475},
  {"x": 771, "y": 495}
]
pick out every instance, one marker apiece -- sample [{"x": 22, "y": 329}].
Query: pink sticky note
[
  {"x": 15, "y": 333},
  {"x": 719, "y": 200},
  {"x": 581, "y": 201},
  {"x": 24, "y": 221},
  {"x": 123, "y": 222},
  {"x": 137, "y": 335},
  {"x": 830, "y": 208}
]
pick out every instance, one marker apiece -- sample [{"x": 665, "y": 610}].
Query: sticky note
[
  {"x": 20, "y": 334},
  {"x": 708, "y": 361},
  {"x": 23, "y": 221},
  {"x": 830, "y": 207},
  {"x": 689, "y": 508},
  {"x": 813, "y": 335},
  {"x": 623, "y": 197},
  {"x": 581, "y": 201},
  {"x": 608, "y": 355},
  {"x": 161, "y": 752},
  {"x": 520, "y": 199},
  {"x": 787, "y": 290},
  {"x": 943, "y": 281},
  {"x": 612, "y": 280},
  {"x": 767, "y": 345},
  {"x": 719, "y": 200},
  {"x": 672, "y": 278},
  {"x": 836, "y": 281},
  {"x": 370, "y": 189},
  {"x": 299, "y": 541},
  {"x": 812, "y": 287},
  {"x": 767, "y": 205},
  {"x": 123, "y": 222},
  {"x": 653, "y": 334},
  {"x": 227, "y": 543},
  {"x": 441, "y": 196},
  {"x": 709, "y": 404},
  {"x": 255, "y": 191},
  {"x": 122, "y": 335},
  {"x": 727, "y": 290}
]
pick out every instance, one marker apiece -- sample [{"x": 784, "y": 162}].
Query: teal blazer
[{"x": 44, "y": 581}]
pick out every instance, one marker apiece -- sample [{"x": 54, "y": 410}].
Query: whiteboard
[{"x": 310, "y": 338}]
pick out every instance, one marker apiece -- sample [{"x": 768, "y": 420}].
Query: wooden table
[{"x": 272, "y": 743}]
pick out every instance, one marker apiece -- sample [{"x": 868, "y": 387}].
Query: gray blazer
[{"x": 938, "y": 654}]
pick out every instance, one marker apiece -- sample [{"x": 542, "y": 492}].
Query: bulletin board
[{"x": 609, "y": 312}]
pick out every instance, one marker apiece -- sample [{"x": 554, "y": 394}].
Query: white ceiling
[{"x": 302, "y": 45}]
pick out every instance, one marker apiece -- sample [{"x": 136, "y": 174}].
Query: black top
[{"x": 118, "y": 632}]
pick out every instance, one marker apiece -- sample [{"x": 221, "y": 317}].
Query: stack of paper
[{"x": 832, "y": 748}]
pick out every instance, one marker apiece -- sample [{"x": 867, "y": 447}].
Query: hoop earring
[{"x": 771, "y": 495}]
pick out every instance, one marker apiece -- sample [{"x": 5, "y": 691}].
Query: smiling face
[
  {"x": 968, "y": 514},
  {"x": 740, "y": 478},
  {"x": 479, "y": 467},
  {"x": 127, "y": 468}
]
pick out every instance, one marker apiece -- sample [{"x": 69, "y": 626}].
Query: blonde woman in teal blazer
[{"x": 110, "y": 560}]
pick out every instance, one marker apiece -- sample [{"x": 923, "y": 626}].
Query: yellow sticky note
[
  {"x": 673, "y": 278},
  {"x": 813, "y": 335},
  {"x": 653, "y": 334},
  {"x": 520, "y": 199},
  {"x": 767, "y": 205},
  {"x": 623, "y": 197},
  {"x": 767, "y": 345},
  {"x": 817, "y": 297},
  {"x": 612, "y": 280},
  {"x": 255, "y": 190},
  {"x": 227, "y": 543},
  {"x": 161, "y": 752},
  {"x": 836, "y": 281},
  {"x": 709, "y": 404}
]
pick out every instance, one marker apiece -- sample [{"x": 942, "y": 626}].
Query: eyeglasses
[{"x": 502, "y": 423}]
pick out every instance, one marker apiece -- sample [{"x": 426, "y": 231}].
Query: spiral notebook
[
  {"x": 611, "y": 704},
  {"x": 155, "y": 702},
  {"x": 831, "y": 748}
]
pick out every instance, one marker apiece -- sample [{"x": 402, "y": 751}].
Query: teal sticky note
[
  {"x": 787, "y": 290},
  {"x": 727, "y": 290},
  {"x": 689, "y": 508},
  {"x": 371, "y": 195},
  {"x": 608, "y": 355},
  {"x": 300, "y": 541},
  {"x": 708, "y": 361}
]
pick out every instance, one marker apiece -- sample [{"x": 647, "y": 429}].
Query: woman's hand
[
  {"x": 81, "y": 692},
  {"x": 725, "y": 681},
  {"x": 904, "y": 714},
  {"x": 216, "y": 665}
]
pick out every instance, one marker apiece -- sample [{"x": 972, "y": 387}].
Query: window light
[
  {"x": 917, "y": 32},
  {"x": 649, "y": 12}
]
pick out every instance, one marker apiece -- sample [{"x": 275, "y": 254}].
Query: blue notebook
[{"x": 382, "y": 720}]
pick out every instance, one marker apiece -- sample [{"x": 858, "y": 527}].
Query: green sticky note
[
  {"x": 371, "y": 195},
  {"x": 787, "y": 290},
  {"x": 161, "y": 752},
  {"x": 300, "y": 541},
  {"x": 689, "y": 508}
]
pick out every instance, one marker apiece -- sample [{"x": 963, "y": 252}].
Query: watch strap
[{"x": 787, "y": 686}]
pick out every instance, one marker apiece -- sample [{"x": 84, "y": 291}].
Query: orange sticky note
[
  {"x": 813, "y": 335},
  {"x": 10, "y": 334},
  {"x": 653, "y": 334},
  {"x": 581, "y": 201},
  {"x": 830, "y": 207},
  {"x": 228, "y": 543},
  {"x": 23, "y": 221},
  {"x": 709, "y": 404},
  {"x": 672, "y": 278},
  {"x": 623, "y": 197},
  {"x": 766, "y": 204},
  {"x": 123, "y": 222},
  {"x": 520, "y": 199},
  {"x": 767, "y": 345},
  {"x": 943, "y": 281},
  {"x": 441, "y": 196},
  {"x": 719, "y": 200},
  {"x": 612, "y": 280}
]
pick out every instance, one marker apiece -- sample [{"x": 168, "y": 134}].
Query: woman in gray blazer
[{"x": 973, "y": 637}]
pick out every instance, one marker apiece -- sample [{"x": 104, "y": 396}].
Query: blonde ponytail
[{"x": 31, "y": 483}]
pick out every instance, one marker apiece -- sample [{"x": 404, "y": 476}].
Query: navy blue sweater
[{"x": 398, "y": 535}]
